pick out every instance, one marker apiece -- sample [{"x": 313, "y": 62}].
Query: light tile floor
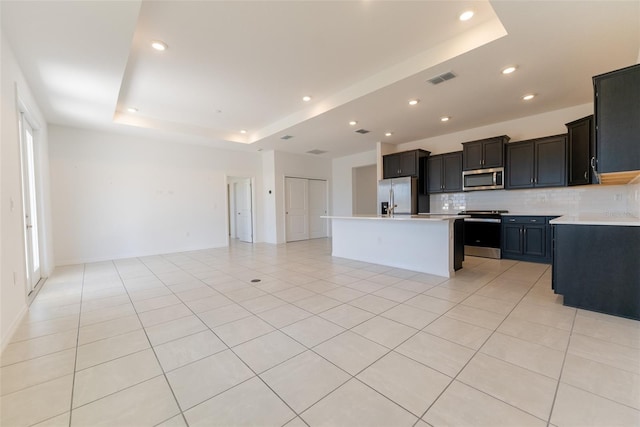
[{"x": 189, "y": 339}]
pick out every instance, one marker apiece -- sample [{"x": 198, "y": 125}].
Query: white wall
[
  {"x": 117, "y": 196},
  {"x": 298, "y": 166},
  {"x": 365, "y": 190},
  {"x": 539, "y": 125},
  {"x": 342, "y": 168},
  {"x": 270, "y": 232},
  {"x": 13, "y": 301}
]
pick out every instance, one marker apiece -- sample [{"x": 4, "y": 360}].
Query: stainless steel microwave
[{"x": 483, "y": 179}]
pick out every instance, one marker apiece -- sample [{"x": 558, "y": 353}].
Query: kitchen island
[{"x": 423, "y": 243}]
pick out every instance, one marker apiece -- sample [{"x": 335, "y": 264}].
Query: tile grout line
[
  {"x": 149, "y": 341},
  {"x": 256, "y": 375},
  {"x": 564, "y": 359},
  {"x": 478, "y": 351},
  {"x": 75, "y": 362}
]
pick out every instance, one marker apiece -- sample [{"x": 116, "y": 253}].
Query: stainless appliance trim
[
  {"x": 494, "y": 220},
  {"x": 483, "y": 252},
  {"x": 492, "y": 171}
]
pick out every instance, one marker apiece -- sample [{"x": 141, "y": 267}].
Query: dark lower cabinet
[
  {"x": 526, "y": 238},
  {"x": 596, "y": 267},
  {"x": 458, "y": 244}
]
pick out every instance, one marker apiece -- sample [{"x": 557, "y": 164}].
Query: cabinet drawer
[{"x": 525, "y": 219}]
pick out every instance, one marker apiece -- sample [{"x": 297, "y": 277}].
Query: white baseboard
[{"x": 12, "y": 328}]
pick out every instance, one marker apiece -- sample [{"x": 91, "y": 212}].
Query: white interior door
[
  {"x": 244, "y": 229},
  {"x": 317, "y": 208},
  {"x": 29, "y": 204},
  {"x": 297, "y": 208}
]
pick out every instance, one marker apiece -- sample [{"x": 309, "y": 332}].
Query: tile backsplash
[{"x": 614, "y": 200}]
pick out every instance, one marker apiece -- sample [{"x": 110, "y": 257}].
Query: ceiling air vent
[
  {"x": 286, "y": 137},
  {"x": 316, "y": 151},
  {"x": 362, "y": 131},
  {"x": 441, "y": 78}
]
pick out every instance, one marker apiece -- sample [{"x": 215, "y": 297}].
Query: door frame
[
  {"x": 25, "y": 115},
  {"x": 229, "y": 181}
]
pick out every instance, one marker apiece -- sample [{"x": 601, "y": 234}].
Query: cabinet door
[
  {"x": 535, "y": 240},
  {"x": 579, "y": 141},
  {"x": 435, "y": 174},
  {"x": 452, "y": 172},
  {"x": 512, "y": 239},
  {"x": 391, "y": 166},
  {"x": 520, "y": 164},
  {"x": 472, "y": 155},
  {"x": 493, "y": 154},
  {"x": 550, "y": 162},
  {"x": 408, "y": 163},
  {"x": 617, "y": 108}
]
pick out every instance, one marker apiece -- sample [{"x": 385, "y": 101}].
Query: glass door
[{"x": 29, "y": 203}]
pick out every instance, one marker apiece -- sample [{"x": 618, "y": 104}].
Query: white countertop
[
  {"x": 533, "y": 214},
  {"x": 400, "y": 217},
  {"x": 597, "y": 219}
]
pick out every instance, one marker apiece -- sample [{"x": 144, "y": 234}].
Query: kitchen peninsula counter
[{"x": 429, "y": 243}]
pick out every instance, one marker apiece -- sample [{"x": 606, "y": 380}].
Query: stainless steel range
[{"x": 482, "y": 233}]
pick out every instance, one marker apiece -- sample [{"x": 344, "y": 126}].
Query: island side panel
[{"x": 424, "y": 246}]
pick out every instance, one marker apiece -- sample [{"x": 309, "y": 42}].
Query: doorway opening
[
  {"x": 28, "y": 158},
  {"x": 240, "y": 203},
  {"x": 306, "y": 200}
]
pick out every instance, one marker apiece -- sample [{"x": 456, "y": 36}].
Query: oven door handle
[{"x": 493, "y": 220}]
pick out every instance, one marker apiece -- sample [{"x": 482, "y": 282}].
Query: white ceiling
[{"x": 235, "y": 65}]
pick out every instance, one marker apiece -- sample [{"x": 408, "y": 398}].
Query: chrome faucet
[{"x": 390, "y": 210}]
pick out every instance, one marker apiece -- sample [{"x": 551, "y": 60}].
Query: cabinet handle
[
  {"x": 585, "y": 175},
  {"x": 534, "y": 220},
  {"x": 531, "y": 180},
  {"x": 512, "y": 220}
]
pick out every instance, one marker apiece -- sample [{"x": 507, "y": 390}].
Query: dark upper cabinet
[
  {"x": 520, "y": 165},
  {"x": 434, "y": 181},
  {"x": 484, "y": 153},
  {"x": 580, "y": 149},
  {"x": 536, "y": 163},
  {"x": 406, "y": 163},
  {"x": 617, "y": 120},
  {"x": 445, "y": 173},
  {"x": 526, "y": 238},
  {"x": 551, "y": 161}
]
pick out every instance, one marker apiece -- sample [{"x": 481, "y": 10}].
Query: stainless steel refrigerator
[{"x": 398, "y": 194}]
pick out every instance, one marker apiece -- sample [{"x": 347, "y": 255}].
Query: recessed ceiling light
[
  {"x": 445, "y": 119},
  {"x": 413, "y": 101},
  {"x": 306, "y": 98},
  {"x": 132, "y": 109},
  {"x": 465, "y": 16},
  {"x": 388, "y": 134},
  {"x": 353, "y": 123},
  {"x": 159, "y": 45},
  {"x": 509, "y": 70},
  {"x": 243, "y": 131},
  {"x": 528, "y": 97}
]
